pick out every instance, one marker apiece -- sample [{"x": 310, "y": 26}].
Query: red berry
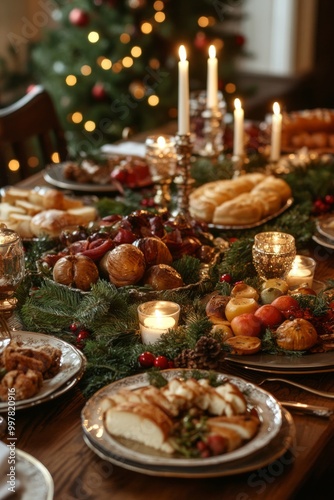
[
  {"x": 82, "y": 335},
  {"x": 161, "y": 362},
  {"x": 329, "y": 198},
  {"x": 171, "y": 364},
  {"x": 73, "y": 327},
  {"x": 225, "y": 278},
  {"x": 216, "y": 443},
  {"x": 146, "y": 359}
]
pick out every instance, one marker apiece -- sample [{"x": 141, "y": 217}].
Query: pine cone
[
  {"x": 208, "y": 346},
  {"x": 181, "y": 361},
  {"x": 205, "y": 356}
]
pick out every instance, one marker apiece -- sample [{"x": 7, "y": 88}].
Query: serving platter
[
  {"x": 73, "y": 364},
  {"x": 271, "y": 363},
  {"x": 284, "y": 440},
  {"x": 285, "y": 207},
  {"x": 129, "y": 452}
]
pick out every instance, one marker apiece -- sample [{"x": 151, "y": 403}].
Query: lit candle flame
[
  {"x": 212, "y": 51},
  {"x": 237, "y": 103},
  {"x": 161, "y": 142},
  {"x": 276, "y": 108},
  {"x": 182, "y": 53}
]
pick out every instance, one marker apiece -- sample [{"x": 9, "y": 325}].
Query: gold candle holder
[
  {"x": 183, "y": 180},
  {"x": 12, "y": 271},
  {"x": 273, "y": 254},
  {"x": 161, "y": 159}
]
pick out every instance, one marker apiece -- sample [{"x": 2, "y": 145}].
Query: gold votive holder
[
  {"x": 161, "y": 159},
  {"x": 273, "y": 254},
  {"x": 302, "y": 272},
  {"x": 156, "y": 317}
]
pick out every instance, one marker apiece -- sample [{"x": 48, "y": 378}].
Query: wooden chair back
[{"x": 31, "y": 134}]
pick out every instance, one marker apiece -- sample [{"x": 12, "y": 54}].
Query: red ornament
[
  {"x": 99, "y": 92},
  {"x": 240, "y": 40},
  {"x": 161, "y": 362},
  {"x": 146, "y": 359},
  {"x": 320, "y": 207},
  {"x": 329, "y": 199},
  {"x": 225, "y": 278},
  {"x": 200, "y": 41},
  {"x": 79, "y": 17}
]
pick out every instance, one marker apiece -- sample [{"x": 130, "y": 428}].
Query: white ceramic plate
[
  {"x": 54, "y": 175},
  {"x": 307, "y": 363},
  {"x": 325, "y": 226},
  {"x": 323, "y": 241},
  {"x": 284, "y": 440},
  {"x": 34, "y": 478},
  {"x": 73, "y": 364},
  {"x": 268, "y": 408}
]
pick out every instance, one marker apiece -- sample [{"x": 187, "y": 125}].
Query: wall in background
[{"x": 280, "y": 36}]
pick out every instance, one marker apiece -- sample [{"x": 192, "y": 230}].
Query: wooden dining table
[{"x": 52, "y": 433}]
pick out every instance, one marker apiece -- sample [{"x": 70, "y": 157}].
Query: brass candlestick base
[
  {"x": 162, "y": 195},
  {"x": 183, "y": 180}
]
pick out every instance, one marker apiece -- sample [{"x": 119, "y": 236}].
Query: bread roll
[
  {"x": 144, "y": 423},
  {"x": 241, "y": 201},
  {"x": 237, "y": 212},
  {"x": 276, "y": 185},
  {"x": 50, "y": 222}
]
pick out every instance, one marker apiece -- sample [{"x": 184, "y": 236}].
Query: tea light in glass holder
[
  {"x": 273, "y": 254},
  {"x": 156, "y": 318},
  {"x": 302, "y": 272}
]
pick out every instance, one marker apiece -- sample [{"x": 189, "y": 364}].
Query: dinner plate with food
[
  {"x": 245, "y": 202},
  {"x": 193, "y": 420},
  {"x": 36, "y": 367},
  {"x": 108, "y": 172}
]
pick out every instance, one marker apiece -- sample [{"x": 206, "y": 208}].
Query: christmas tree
[{"x": 111, "y": 65}]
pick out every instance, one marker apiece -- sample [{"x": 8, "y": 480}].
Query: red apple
[
  {"x": 246, "y": 324},
  {"x": 286, "y": 304},
  {"x": 269, "y": 315}
]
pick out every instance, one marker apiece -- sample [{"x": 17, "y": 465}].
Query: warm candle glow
[
  {"x": 182, "y": 53},
  {"x": 276, "y": 108},
  {"x": 212, "y": 51},
  {"x": 161, "y": 142},
  {"x": 276, "y": 132},
  {"x": 238, "y": 129},
  {"x": 237, "y": 103},
  {"x": 212, "y": 79},
  {"x": 183, "y": 104},
  {"x": 156, "y": 318}
]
